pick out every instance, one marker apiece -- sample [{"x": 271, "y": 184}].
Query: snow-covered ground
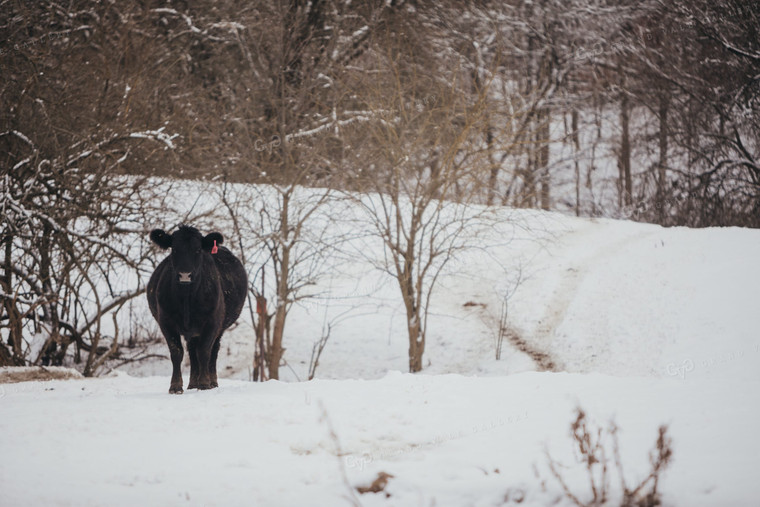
[{"x": 645, "y": 325}]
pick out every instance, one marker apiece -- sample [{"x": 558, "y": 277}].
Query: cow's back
[{"x": 234, "y": 282}]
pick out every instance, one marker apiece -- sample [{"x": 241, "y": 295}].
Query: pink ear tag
[{"x": 215, "y": 248}]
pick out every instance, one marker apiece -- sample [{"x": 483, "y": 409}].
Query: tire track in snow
[{"x": 539, "y": 345}]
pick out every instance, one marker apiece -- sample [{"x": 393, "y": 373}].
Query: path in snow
[
  {"x": 583, "y": 252},
  {"x": 543, "y": 360}
]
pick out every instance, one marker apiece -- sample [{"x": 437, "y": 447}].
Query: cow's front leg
[
  {"x": 176, "y": 352},
  {"x": 192, "y": 346}
]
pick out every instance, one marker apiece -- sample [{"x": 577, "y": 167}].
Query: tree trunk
[
  {"x": 663, "y": 160},
  {"x": 493, "y": 177},
  {"x": 530, "y": 195},
  {"x": 48, "y": 355},
  {"x": 477, "y": 89},
  {"x": 576, "y": 150},
  {"x": 416, "y": 345},
  {"x": 262, "y": 338},
  {"x": 416, "y": 337},
  {"x": 283, "y": 291},
  {"x": 15, "y": 356},
  {"x": 543, "y": 156},
  {"x": 412, "y": 305},
  {"x": 592, "y": 162},
  {"x": 276, "y": 351},
  {"x": 624, "y": 164},
  {"x": 6, "y": 358}
]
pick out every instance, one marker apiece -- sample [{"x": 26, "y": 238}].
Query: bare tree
[
  {"x": 297, "y": 141},
  {"x": 289, "y": 238},
  {"x": 425, "y": 150}
]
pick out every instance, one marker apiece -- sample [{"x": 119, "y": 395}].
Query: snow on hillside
[{"x": 643, "y": 324}]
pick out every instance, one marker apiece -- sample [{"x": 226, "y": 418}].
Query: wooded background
[{"x": 647, "y": 110}]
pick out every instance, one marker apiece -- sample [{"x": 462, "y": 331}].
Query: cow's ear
[
  {"x": 208, "y": 241},
  {"x": 160, "y": 238}
]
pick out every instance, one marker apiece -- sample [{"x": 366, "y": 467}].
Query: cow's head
[{"x": 188, "y": 248}]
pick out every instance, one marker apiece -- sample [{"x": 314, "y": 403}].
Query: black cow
[{"x": 196, "y": 292}]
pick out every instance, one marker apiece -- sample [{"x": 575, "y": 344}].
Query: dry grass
[{"x": 15, "y": 374}]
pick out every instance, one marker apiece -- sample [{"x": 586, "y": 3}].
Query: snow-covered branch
[
  {"x": 156, "y": 135},
  {"x": 230, "y": 26}
]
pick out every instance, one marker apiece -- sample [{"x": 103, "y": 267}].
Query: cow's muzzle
[{"x": 184, "y": 277}]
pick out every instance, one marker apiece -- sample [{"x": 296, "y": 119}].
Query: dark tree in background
[{"x": 717, "y": 122}]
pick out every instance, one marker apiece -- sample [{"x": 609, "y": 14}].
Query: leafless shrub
[
  {"x": 502, "y": 331},
  {"x": 592, "y": 453},
  {"x": 316, "y": 350},
  {"x": 67, "y": 259},
  {"x": 645, "y": 493},
  {"x": 500, "y": 326}
]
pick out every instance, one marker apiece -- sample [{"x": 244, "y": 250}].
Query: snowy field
[{"x": 643, "y": 325}]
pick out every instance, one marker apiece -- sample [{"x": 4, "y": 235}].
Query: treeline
[{"x": 664, "y": 93}]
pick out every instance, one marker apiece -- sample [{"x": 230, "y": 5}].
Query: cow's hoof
[
  {"x": 175, "y": 390},
  {"x": 192, "y": 385},
  {"x": 205, "y": 386},
  {"x": 214, "y": 384}
]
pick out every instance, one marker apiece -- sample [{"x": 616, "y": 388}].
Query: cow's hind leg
[
  {"x": 192, "y": 351},
  {"x": 177, "y": 353},
  {"x": 212, "y": 363}
]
